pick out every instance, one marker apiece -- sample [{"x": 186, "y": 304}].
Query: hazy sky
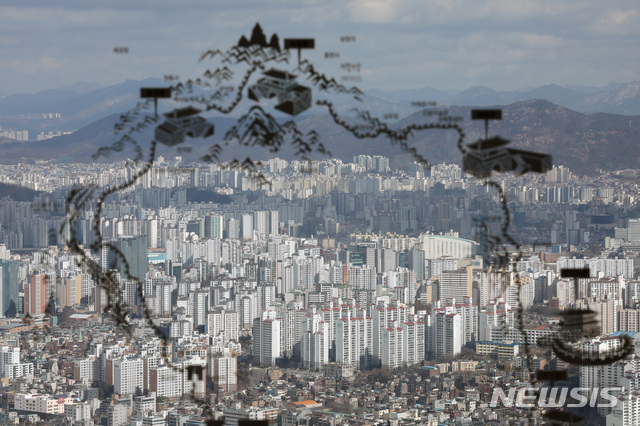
[{"x": 445, "y": 44}]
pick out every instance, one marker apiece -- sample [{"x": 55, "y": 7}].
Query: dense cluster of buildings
[
  {"x": 330, "y": 276},
  {"x": 19, "y": 135}
]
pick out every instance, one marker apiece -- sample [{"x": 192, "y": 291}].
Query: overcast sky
[{"x": 400, "y": 44}]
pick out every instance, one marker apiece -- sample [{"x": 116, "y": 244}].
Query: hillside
[{"x": 584, "y": 142}]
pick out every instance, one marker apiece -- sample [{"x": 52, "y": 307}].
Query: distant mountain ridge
[
  {"x": 84, "y": 103},
  {"x": 583, "y": 127},
  {"x": 584, "y": 142},
  {"x": 79, "y": 105},
  {"x": 615, "y": 98}
]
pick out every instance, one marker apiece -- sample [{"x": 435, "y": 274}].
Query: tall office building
[
  {"x": 214, "y": 226},
  {"x": 117, "y": 415},
  {"x": 417, "y": 263},
  {"x": 520, "y": 291},
  {"x": 104, "y": 258},
  {"x": 134, "y": 251},
  {"x": 10, "y": 285},
  {"x": 607, "y": 310},
  {"x": 8, "y": 355},
  {"x": 88, "y": 284},
  {"x": 35, "y": 295},
  {"x": 231, "y": 326},
  {"x": 362, "y": 277},
  {"x": 233, "y": 229},
  {"x": 389, "y": 259},
  {"x": 595, "y": 377},
  {"x": 632, "y": 294},
  {"x": 5, "y": 253},
  {"x": 199, "y": 301},
  {"x": 445, "y": 332},
  {"x": 266, "y": 338},
  {"x": 633, "y": 231},
  {"x": 261, "y": 222},
  {"x": 443, "y": 263},
  {"x": 274, "y": 222},
  {"x": 99, "y": 298},
  {"x": 456, "y": 284},
  {"x": 215, "y": 322},
  {"x": 413, "y": 338},
  {"x": 151, "y": 228},
  {"x": 292, "y": 332},
  {"x": 469, "y": 319},
  {"x": 196, "y": 226},
  {"x": 403, "y": 281},
  {"x": 590, "y": 376},
  {"x": 247, "y": 226},
  {"x": 69, "y": 291}
]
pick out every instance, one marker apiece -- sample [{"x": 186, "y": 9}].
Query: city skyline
[
  {"x": 200, "y": 291},
  {"x": 354, "y": 271}
]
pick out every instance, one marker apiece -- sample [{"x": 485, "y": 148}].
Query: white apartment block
[
  {"x": 607, "y": 267},
  {"x": 393, "y": 348},
  {"x": 533, "y": 335},
  {"x": 632, "y": 293},
  {"x": 490, "y": 321},
  {"x": 383, "y": 316},
  {"x": 266, "y": 338},
  {"x": 445, "y": 334},
  {"x": 13, "y": 371},
  {"x": 10, "y": 365},
  {"x": 128, "y": 375},
  {"x": 469, "y": 316},
  {"x": 165, "y": 381},
  {"x": 436, "y": 246},
  {"x": 352, "y": 339},
  {"x": 84, "y": 369},
  {"x": 77, "y": 412},
  {"x": 315, "y": 341},
  {"x": 194, "y": 377},
  {"x": 149, "y": 363},
  {"x": 413, "y": 336},
  {"x": 627, "y": 410},
  {"x": 45, "y": 404},
  {"x": 225, "y": 368},
  {"x": 629, "y": 320}
]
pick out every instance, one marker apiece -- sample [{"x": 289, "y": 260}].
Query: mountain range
[
  {"x": 585, "y": 128},
  {"x": 585, "y": 142},
  {"x": 78, "y": 105},
  {"x": 84, "y": 103},
  {"x": 615, "y": 98}
]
